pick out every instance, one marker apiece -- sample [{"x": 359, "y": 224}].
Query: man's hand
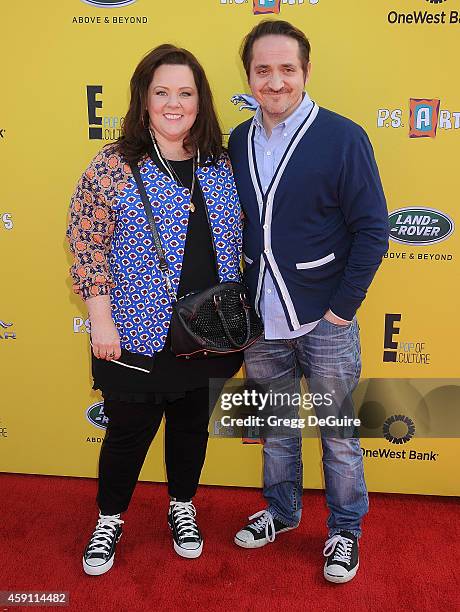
[{"x": 330, "y": 316}]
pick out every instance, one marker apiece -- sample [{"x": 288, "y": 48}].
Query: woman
[{"x": 170, "y": 126}]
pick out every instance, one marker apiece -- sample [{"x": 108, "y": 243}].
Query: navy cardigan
[{"x": 321, "y": 228}]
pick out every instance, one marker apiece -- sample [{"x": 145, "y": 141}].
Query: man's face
[{"x": 276, "y": 77}]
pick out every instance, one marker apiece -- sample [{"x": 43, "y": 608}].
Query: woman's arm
[
  {"x": 104, "y": 334},
  {"x": 89, "y": 232}
]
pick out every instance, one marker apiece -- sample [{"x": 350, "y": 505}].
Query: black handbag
[{"x": 209, "y": 323}]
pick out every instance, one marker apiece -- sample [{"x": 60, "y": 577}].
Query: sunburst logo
[{"x": 398, "y": 429}]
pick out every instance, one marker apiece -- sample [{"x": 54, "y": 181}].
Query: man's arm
[{"x": 363, "y": 204}]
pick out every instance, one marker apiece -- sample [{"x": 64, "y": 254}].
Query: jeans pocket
[{"x": 336, "y": 325}]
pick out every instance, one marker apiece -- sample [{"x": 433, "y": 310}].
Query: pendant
[{"x": 192, "y": 207}]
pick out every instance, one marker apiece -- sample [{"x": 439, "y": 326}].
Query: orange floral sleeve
[{"x": 92, "y": 223}]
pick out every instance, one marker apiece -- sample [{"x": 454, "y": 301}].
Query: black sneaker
[
  {"x": 100, "y": 553},
  {"x": 186, "y": 535},
  {"x": 342, "y": 555},
  {"x": 261, "y": 531}
]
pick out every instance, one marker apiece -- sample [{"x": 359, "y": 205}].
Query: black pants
[{"x": 131, "y": 429}]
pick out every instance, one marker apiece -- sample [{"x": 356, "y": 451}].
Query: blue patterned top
[{"x": 129, "y": 269}]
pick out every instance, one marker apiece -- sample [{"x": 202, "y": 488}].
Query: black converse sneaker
[
  {"x": 342, "y": 562},
  {"x": 261, "y": 531},
  {"x": 186, "y": 535},
  {"x": 100, "y": 553}
]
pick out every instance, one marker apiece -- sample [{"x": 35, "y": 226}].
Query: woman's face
[{"x": 172, "y": 102}]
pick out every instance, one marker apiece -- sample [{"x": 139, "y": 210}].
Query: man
[{"x": 316, "y": 229}]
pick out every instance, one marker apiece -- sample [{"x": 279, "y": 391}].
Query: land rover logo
[
  {"x": 419, "y": 226},
  {"x": 108, "y": 3},
  {"x": 95, "y": 415}
]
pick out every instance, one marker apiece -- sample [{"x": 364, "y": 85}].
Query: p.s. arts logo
[
  {"x": 81, "y": 326},
  {"x": 419, "y": 226},
  {"x": 6, "y": 221},
  {"x": 6, "y": 331},
  {"x": 109, "y": 3},
  {"x": 95, "y": 415},
  {"x": 108, "y": 127},
  {"x": 424, "y": 120},
  {"x": 267, "y": 7}
]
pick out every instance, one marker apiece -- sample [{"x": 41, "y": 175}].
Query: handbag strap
[
  {"x": 233, "y": 342},
  {"x": 164, "y": 268}
]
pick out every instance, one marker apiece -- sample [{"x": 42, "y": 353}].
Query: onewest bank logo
[
  {"x": 423, "y": 118},
  {"x": 264, "y": 7},
  {"x": 428, "y": 18}
]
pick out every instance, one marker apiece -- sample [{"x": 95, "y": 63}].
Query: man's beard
[{"x": 274, "y": 108}]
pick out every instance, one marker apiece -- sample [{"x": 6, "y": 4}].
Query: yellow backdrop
[{"x": 390, "y": 66}]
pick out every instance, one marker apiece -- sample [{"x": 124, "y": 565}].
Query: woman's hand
[
  {"x": 105, "y": 340},
  {"x": 104, "y": 335}
]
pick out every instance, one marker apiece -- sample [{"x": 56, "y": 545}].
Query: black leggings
[{"x": 131, "y": 429}]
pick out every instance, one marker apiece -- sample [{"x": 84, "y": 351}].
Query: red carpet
[{"x": 409, "y": 553}]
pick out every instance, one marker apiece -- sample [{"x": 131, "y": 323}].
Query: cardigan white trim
[
  {"x": 267, "y": 220},
  {"x": 306, "y": 265}
]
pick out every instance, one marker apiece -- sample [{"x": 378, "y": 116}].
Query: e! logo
[
  {"x": 95, "y": 133},
  {"x": 390, "y": 331}
]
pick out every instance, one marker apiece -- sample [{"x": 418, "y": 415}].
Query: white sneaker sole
[
  {"x": 258, "y": 543},
  {"x": 341, "y": 579},
  {"x": 98, "y": 570},
  {"x": 186, "y": 553}
]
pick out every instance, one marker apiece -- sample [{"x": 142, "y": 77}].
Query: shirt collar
[{"x": 291, "y": 123}]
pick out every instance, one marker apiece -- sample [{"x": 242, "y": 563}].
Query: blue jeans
[{"x": 330, "y": 359}]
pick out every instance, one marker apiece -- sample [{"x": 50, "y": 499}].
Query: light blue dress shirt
[{"x": 269, "y": 151}]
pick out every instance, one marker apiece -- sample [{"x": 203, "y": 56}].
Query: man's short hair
[{"x": 277, "y": 27}]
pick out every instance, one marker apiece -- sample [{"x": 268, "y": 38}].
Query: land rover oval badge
[{"x": 419, "y": 225}]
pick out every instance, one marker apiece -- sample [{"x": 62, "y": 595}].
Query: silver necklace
[{"x": 172, "y": 173}]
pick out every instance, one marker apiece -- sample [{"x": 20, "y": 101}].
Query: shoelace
[
  {"x": 264, "y": 522},
  {"x": 184, "y": 516},
  {"x": 102, "y": 537},
  {"x": 342, "y": 548}
]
